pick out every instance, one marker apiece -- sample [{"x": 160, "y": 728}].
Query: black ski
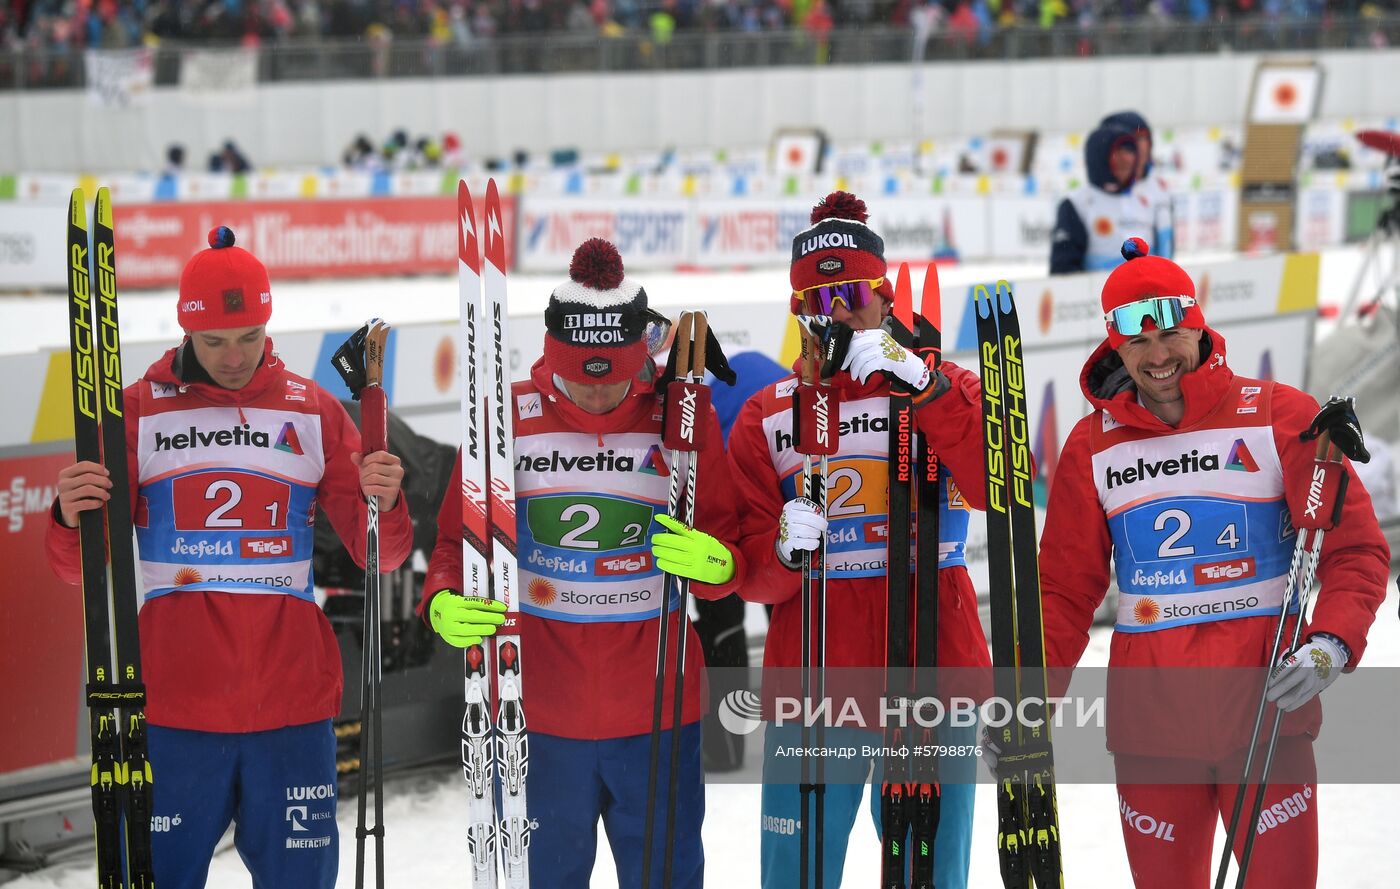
[
  {"x": 121, "y": 773},
  {"x": 925, "y": 798},
  {"x": 894, "y": 785},
  {"x": 1028, "y": 839}
]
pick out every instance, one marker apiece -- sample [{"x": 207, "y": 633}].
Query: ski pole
[
  {"x": 1337, "y": 431},
  {"x": 686, "y": 401},
  {"x": 816, "y": 413},
  {"x": 360, "y": 362}
]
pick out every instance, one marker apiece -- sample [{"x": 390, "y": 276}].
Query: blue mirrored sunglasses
[{"x": 1164, "y": 311}]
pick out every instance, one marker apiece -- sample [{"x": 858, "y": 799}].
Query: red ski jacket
[
  {"x": 226, "y": 661},
  {"x": 596, "y": 680},
  {"x": 1077, "y": 544},
  {"x": 856, "y": 605}
]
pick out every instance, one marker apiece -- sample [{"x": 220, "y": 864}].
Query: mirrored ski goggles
[
  {"x": 1164, "y": 311},
  {"x": 657, "y": 333},
  {"x": 851, "y": 294}
]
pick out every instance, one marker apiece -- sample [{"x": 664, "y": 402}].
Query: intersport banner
[
  {"x": 650, "y": 233},
  {"x": 297, "y": 238}
]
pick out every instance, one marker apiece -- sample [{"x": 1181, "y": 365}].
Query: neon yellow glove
[
  {"x": 686, "y": 552},
  {"x": 464, "y": 621}
]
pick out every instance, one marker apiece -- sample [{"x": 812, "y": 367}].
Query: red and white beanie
[
  {"x": 1144, "y": 276},
  {"x": 596, "y": 321},
  {"x": 839, "y": 247},
  {"x": 224, "y": 287}
]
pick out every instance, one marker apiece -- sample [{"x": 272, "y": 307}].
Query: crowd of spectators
[
  {"x": 69, "y": 24},
  {"x": 399, "y": 152}
]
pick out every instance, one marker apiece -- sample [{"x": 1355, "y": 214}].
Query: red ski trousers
[{"x": 1169, "y": 829}]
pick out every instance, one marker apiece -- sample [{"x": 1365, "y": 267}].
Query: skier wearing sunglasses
[
  {"x": 838, "y": 273},
  {"x": 1188, "y": 476}
]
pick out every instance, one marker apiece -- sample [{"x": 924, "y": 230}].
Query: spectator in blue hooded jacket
[
  {"x": 1093, "y": 220},
  {"x": 1154, "y": 188}
]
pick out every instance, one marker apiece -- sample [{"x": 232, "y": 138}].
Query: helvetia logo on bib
[
  {"x": 654, "y": 463},
  {"x": 287, "y": 440},
  {"x": 1240, "y": 459}
]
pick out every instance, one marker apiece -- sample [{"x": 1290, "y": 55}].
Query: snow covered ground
[{"x": 425, "y": 817}]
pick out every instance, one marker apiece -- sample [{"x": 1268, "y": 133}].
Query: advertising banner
[
  {"x": 296, "y": 238},
  {"x": 41, "y": 637},
  {"x": 649, "y": 232}
]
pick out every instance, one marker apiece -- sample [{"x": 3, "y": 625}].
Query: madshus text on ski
[{"x": 599, "y": 500}]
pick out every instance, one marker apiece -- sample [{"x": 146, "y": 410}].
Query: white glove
[
  {"x": 875, "y": 350},
  {"x": 801, "y": 528},
  {"x": 1303, "y": 674}
]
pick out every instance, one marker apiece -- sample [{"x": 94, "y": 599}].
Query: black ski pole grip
[{"x": 838, "y": 342}]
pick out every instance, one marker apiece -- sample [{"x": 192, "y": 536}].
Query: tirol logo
[
  {"x": 828, "y": 241},
  {"x": 238, "y": 436},
  {"x": 287, "y": 440},
  {"x": 1223, "y": 572},
  {"x": 597, "y": 367},
  {"x": 1142, "y": 470},
  {"x": 265, "y": 547},
  {"x": 1240, "y": 459},
  {"x": 633, "y": 564},
  {"x": 831, "y": 265}
]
